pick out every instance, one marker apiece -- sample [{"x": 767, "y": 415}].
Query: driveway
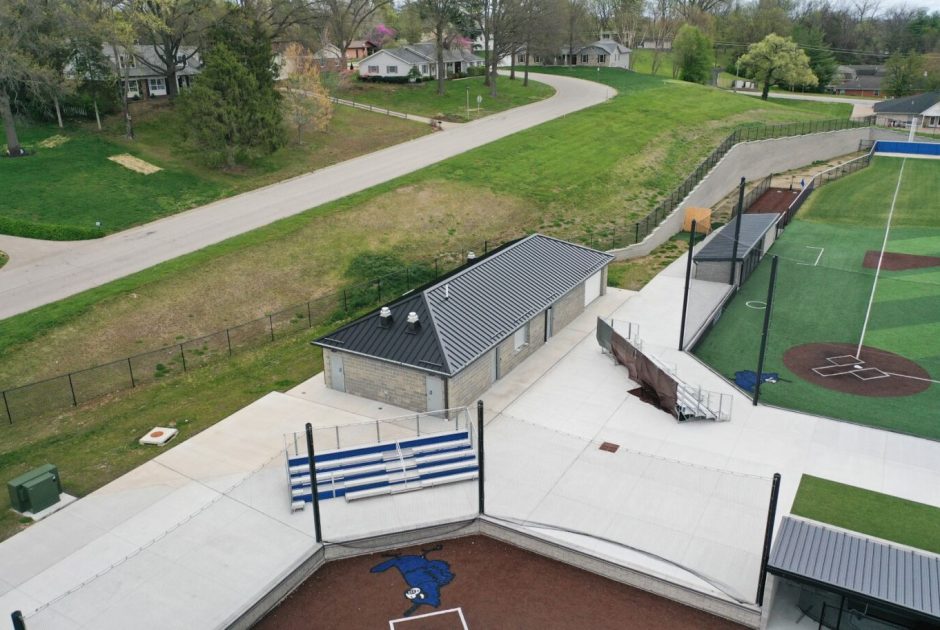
[
  {"x": 39, "y": 273},
  {"x": 861, "y": 107}
]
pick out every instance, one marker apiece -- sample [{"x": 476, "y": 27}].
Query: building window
[
  {"x": 133, "y": 89},
  {"x": 424, "y": 68},
  {"x": 522, "y": 58},
  {"x": 391, "y": 69},
  {"x": 180, "y": 58},
  {"x": 128, "y": 61},
  {"x": 536, "y": 59},
  {"x": 584, "y": 58},
  {"x": 521, "y": 338},
  {"x": 157, "y": 87},
  {"x": 373, "y": 69},
  {"x": 601, "y": 58}
]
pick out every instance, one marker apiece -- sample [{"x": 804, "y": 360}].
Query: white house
[
  {"x": 398, "y": 62},
  {"x": 603, "y": 53},
  {"x": 144, "y": 81}
]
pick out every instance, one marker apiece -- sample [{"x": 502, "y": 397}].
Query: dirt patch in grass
[
  {"x": 135, "y": 164},
  {"x": 53, "y": 141},
  {"x": 417, "y": 222}
]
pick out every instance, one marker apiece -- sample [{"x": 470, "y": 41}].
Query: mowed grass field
[
  {"x": 422, "y": 98},
  {"x": 827, "y": 302}
]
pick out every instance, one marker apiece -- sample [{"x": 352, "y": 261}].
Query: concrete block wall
[
  {"x": 755, "y": 160},
  {"x": 568, "y": 307},
  {"x": 469, "y": 384},
  {"x": 379, "y": 380},
  {"x": 509, "y": 357}
]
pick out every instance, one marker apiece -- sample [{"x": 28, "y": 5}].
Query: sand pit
[
  {"x": 135, "y": 164},
  {"x": 53, "y": 141}
]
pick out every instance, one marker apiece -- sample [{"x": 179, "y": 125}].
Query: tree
[
  {"x": 777, "y": 60},
  {"x": 903, "y": 74},
  {"x": 307, "y": 102},
  {"x": 29, "y": 29},
  {"x": 439, "y": 15},
  {"x": 821, "y": 60},
  {"x": 344, "y": 19},
  {"x": 692, "y": 54}
]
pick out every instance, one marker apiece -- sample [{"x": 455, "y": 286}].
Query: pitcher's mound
[{"x": 876, "y": 373}]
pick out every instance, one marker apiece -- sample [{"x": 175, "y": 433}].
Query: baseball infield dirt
[
  {"x": 899, "y": 262},
  {"x": 878, "y": 374},
  {"x": 773, "y": 200},
  {"x": 473, "y": 583}
]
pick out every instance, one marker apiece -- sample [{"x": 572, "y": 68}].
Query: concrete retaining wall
[{"x": 755, "y": 160}]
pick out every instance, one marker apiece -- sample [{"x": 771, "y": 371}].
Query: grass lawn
[
  {"x": 633, "y": 274},
  {"x": 827, "y": 302},
  {"x": 569, "y": 178},
  {"x": 642, "y": 61},
  {"x": 880, "y": 515},
  {"x": 422, "y": 98},
  {"x": 75, "y": 184}
]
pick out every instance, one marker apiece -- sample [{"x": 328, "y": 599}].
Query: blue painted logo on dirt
[{"x": 424, "y": 577}]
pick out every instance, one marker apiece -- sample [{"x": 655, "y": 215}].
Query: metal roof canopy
[
  {"x": 852, "y": 564},
  {"x": 721, "y": 245},
  {"x": 469, "y": 311}
]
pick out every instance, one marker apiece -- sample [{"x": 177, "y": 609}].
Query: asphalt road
[{"x": 40, "y": 272}]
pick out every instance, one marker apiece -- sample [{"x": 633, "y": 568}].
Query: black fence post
[
  {"x": 72, "y": 389},
  {"x": 763, "y": 338},
  {"x": 345, "y": 302},
  {"x": 481, "y": 483},
  {"x": 183, "y": 357},
  {"x": 315, "y": 498},
  {"x": 271, "y": 325},
  {"x": 309, "y": 316},
  {"x": 685, "y": 293},
  {"x": 768, "y": 536},
  {"x": 228, "y": 340},
  {"x": 130, "y": 370},
  {"x": 737, "y": 233},
  {"x": 18, "y": 622},
  {"x": 6, "y": 405}
]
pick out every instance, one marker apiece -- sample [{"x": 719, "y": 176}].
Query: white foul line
[
  {"x": 874, "y": 285},
  {"x": 463, "y": 621},
  {"x": 815, "y": 264}
]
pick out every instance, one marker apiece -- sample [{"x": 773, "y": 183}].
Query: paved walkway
[
  {"x": 31, "y": 280},
  {"x": 861, "y": 107}
]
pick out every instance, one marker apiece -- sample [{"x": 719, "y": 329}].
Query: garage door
[{"x": 592, "y": 288}]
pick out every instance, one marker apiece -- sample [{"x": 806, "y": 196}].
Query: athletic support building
[{"x": 444, "y": 345}]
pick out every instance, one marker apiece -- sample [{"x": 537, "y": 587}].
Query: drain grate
[{"x": 610, "y": 447}]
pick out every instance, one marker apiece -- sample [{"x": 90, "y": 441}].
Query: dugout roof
[
  {"x": 853, "y": 564},
  {"x": 465, "y": 314},
  {"x": 721, "y": 245}
]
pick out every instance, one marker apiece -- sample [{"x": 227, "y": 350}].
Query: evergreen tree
[
  {"x": 903, "y": 74},
  {"x": 692, "y": 54},
  {"x": 821, "y": 60}
]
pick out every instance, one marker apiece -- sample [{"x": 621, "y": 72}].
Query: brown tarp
[{"x": 639, "y": 366}]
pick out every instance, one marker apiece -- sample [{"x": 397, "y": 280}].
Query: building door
[
  {"x": 337, "y": 376},
  {"x": 435, "y": 392},
  {"x": 549, "y": 322},
  {"x": 592, "y": 288}
]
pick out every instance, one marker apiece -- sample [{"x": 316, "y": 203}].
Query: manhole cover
[
  {"x": 156, "y": 434},
  {"x": 610, "y": 447}
]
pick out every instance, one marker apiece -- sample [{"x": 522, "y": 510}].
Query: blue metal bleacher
[{"x": 384, "y": 468}]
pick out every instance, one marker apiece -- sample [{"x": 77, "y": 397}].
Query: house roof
[
  {"x": 609, "y": 45},
  {"x": 429, "y": 51},
  {"x": 146, "y": 52},
  {"x": 721, "y": 245},
  {"x": 855, "y": 564},
  {"x": 916, "y": 104},
  {"x": 467, "y": 313}
]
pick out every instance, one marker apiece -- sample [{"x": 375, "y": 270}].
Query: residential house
[
  {"x": 398, "y": 62},
  {"x": 857, "y": 81},
  {"x": 442, "y": 346},
  {"x": 604, "y": 53},
  {"x": 899, "y": 112},
  {"x": 144, "y": 81}
]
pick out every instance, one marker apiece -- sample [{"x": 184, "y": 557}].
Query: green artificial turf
[
  {"x": 873, "y": 513},
  {"x": 827, "y": 302}
]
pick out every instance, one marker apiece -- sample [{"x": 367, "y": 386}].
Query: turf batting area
[
  {"x": 855, "y": 327},
  {"x": 473, "y": 583}
]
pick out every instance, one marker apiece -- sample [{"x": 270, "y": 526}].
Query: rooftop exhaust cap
[
  {"x": 413, "y": 323},
  {"x": 471, "y": 256},
  {"x": 385, "y": 317}
]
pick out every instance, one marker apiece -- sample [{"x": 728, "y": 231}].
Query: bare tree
[
  {"x": 344, "y": 19},
  {"x": 439, "y": 16}
]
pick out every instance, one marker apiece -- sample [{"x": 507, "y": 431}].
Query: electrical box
[{"x": 36, "y": 490}]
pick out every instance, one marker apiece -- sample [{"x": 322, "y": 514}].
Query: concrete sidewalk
[{"x": 82, "y": 265}]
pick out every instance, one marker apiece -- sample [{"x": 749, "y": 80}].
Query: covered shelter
[
  {"x": 713, "y": 261},
  {"x": 848, "y": 580}
]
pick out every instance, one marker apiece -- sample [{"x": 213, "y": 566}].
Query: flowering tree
[
  {"x": 382, "y": 35},
  {"x": 307, "y": 101}
]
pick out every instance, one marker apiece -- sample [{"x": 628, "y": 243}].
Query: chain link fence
[{"x": 76, "y": 388}]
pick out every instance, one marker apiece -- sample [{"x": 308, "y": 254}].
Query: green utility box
[{"x": 36, "y": 490}]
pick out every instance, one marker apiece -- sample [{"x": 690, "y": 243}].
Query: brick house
[{"x": 442, "y": 346}]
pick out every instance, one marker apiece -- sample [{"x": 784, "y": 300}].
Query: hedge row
[{"x": 47, "y": 231}]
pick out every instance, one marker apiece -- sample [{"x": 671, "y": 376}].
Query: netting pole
[
  {"x": 18, "y": 622},
  {"x": 312, "y": 462},
  {"x": 737, "y": 233},
  {"x": 763, "y": 339},
  {"x": 481, "y": 493},
  {"x": 768, "y": 537},
  {"x": 685, "y": 294}
]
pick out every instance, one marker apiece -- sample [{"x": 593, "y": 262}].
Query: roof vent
[
  {"x": 447, "y": 291},
  {"x": 471, "y": 256},
  {"x": 413, "y": 323},
  {"x": 385, "y": 317}
]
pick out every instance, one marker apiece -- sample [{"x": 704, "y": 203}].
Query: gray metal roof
[
  {"x": 908, "y": 104},
  {"x": 848, "y": 562},
  {"x": 721, "y": 245},
  {"x": 470, "y": 311}
]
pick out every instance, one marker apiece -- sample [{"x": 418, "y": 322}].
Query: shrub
[{"x": 47, "y": 231}]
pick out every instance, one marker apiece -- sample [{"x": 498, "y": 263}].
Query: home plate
[
  {"x": 158, "y": 436},
  {"x": 452, "y": 619}
]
